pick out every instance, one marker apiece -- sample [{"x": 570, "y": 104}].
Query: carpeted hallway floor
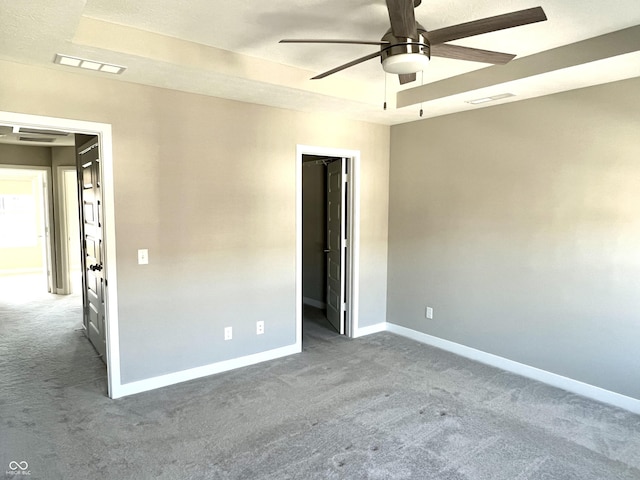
[{"x": 378, "y": 407}]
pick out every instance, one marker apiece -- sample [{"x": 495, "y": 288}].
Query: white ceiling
[{"x": 231, "y": 50}]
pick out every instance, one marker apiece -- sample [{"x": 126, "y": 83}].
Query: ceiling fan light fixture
[{"x": 404, "y": 63}]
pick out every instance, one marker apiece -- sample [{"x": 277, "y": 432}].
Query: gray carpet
[{"x": 379, "y": 407}]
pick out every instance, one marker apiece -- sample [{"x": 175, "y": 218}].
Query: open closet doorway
[{"x": 328, "y": 218}]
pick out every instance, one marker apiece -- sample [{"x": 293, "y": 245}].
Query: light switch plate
[{"x": 143, "y": 256}]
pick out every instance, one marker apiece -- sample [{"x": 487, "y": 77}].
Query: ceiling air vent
[
  {"x": 38, "y": 139},
  {"x": 42, "y": 132},
  {"x": 88, "y": 64}
]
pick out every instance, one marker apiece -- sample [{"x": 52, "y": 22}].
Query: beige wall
[
  {"x": 520, "y": 225},
  {"x": 63, "y": 157},
  {"x": 23, "y": 155},
  {"x": 208, "y": 186}
]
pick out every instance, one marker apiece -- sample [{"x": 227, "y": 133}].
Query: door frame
[
  {"x": 61, "y": 198},
  {"x": 103, "y": 131},
  {"x": 352, "y": 280},
  {"x": 45, "y": 185}
]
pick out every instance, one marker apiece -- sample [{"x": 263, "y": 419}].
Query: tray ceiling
[{"x": 231, "y": 50}]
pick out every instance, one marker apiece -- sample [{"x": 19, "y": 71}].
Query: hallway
[{"x": 44, "y": 349}]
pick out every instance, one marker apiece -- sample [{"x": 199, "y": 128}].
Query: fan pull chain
[
  {"x": 421, "y": 84},
  {"x": 385, "y": 91}
]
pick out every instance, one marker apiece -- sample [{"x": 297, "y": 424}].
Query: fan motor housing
[
  {"x": 398, "y": 46},
  {"x": 407, "y": 47}
]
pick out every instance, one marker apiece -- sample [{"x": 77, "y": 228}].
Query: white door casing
[
  {"x": 46, "y": 192},
  {"x": 352, "y": 264},
  {"x": 103, "y": 131},
  {"x": 40, "y": 220},
  {"x": 67, "y": 199}
]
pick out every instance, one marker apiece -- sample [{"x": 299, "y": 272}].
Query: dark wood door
[
  {"x": 336, "y": 174},
  {"x": 89, "y": 180}
]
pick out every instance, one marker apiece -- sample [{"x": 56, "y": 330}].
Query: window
[{"x": 18, "y": 220}]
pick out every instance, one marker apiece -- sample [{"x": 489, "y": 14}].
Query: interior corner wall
[
  {"x": 520, "y": 225},
  {"x": 63, "y": 157},
  {"x": 209, "y": 187}
]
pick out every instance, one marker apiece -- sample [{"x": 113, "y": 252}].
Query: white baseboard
[
  {"x": 313, "y": 302},
  {"x": 553, "y": 379},
  {"x": 199, "y": 372},
  {"x": 378, "y": 327}
]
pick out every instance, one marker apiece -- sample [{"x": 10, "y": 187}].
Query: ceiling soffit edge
[
  {"x": 586, "y": 51},
  {"x": 140, "y": 43}
]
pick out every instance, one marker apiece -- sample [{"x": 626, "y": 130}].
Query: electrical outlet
[
  {"x": 428, "y": 313},
  {"x": 260, "y": 327},
  {"x": 228, "y": 333}
]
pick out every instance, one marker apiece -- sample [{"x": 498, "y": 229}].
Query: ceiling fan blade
[
  {"x": 330, "y": 40},
  {"x": 486, "y": 25},
  {"x": 402, "y": 18},
  {"x": 407, "y": 78},
  {"x": 347, "y": 65},
  {"x": 446, "y": 50}
]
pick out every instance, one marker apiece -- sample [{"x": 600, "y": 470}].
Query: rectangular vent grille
[
  {"x": 37, "y": 139},
  {"x": 43, "y": 132}
]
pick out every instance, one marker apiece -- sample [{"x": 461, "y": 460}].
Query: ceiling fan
[{"x": 407, "y": 46}]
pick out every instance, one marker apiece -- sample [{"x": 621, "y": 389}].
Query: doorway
[
  {"x": 70, "y": 269},
  {"x": 324, "y": 203},
  {"x": 106, "y": 215},
  {"x": 25, "y": 244},
  {"x": 328, "y": 238}
]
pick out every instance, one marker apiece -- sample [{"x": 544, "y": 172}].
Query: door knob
[
  {"x": 326, "y": 250},
  {"x": 95, "y": 268}
]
